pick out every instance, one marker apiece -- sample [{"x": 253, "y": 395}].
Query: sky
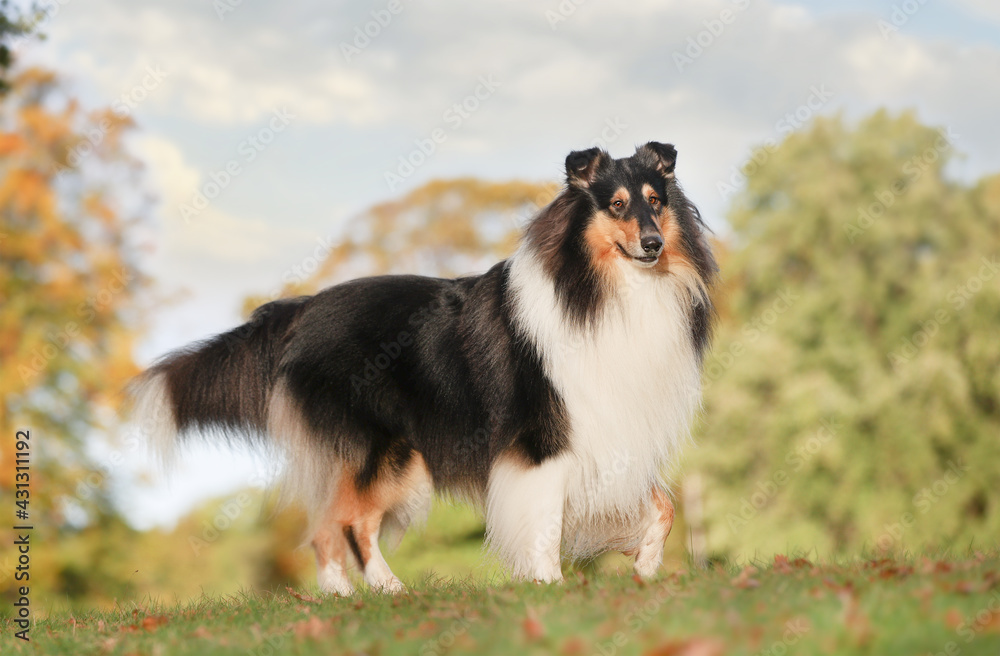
[{"x": 267, "y": 127}]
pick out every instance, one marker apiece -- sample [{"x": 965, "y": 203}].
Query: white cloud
[{"x": 212, "y": 233}]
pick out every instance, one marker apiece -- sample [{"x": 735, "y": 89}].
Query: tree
[
  {"x": 12, "y": 25},
  {"x": 444, "y": 228},
  {"x": 68, "y": 317},
  {"x": 853, "y": 394}
]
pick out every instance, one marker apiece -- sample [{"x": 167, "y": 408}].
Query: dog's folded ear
[
  {"x": 582, "y": 166},
  {"x": 664, "y": 156}
]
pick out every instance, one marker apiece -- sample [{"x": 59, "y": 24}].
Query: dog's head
[
  {"x": 617, "y": 216},
  {"x": 631, "y": 216}
]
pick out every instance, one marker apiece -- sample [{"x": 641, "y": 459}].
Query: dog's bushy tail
[{"x": 219, "y": 386}]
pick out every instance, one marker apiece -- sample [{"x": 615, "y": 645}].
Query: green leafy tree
[{"x": 853, "y": 394}]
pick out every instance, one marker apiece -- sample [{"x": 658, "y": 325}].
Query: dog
[{"x": 551, "y": 391}]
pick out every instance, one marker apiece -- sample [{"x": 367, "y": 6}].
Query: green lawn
[{"x": 923, "y": 605}]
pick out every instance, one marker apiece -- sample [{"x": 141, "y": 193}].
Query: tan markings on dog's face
[
  {"x": 619, "y": 201},
  {"x": 650, "y": 195},
  {"x": 604, "y": 235},
  {"x": 648, "y": 192},
  {"x": 675, "y": 257}
]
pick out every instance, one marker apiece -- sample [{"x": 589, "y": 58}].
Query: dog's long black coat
[{"x": 380, "y": 366}]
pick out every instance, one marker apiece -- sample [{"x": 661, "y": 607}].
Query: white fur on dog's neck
[{"x": 631, "y": 385}]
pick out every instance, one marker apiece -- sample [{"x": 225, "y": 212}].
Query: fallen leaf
[
  {"x": 202, "y": 632},
  {"x": 745, "y": 578},
  {"x": 691, "y": 647},
  {"x": 953, "y": 618},
  {"x": 532, "y": 626},
  {"x": 966, "y": 587},
  {"x": 313, "y": 628},
  {"x": 893, "y": 571},
  {"x": 152, "y": 622},
  {"x": 302, "y": 597}
]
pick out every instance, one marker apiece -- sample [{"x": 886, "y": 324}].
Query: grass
[{"x": 941, "y": 605}]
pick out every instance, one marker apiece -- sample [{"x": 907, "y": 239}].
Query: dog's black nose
[{"x": 652, "y": 244}]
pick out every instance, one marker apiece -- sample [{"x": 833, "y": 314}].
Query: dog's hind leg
[
  {"x": 363, "y": 536},
  {"x": 360, "y": 512},
  {"x": 659, "y": 520},
  {"x": 332, "y": 553}
]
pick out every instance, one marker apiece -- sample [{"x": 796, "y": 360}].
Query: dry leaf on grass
[
  {"x": 745, "y": 578},
  {"x": 533, "y": 628},
  {"x": 690, "y": 647},
  {"x": 953, "y": 618},
  {"x": 149, "y": 623},
  {"x": 312, "y": 628},
  {"x": 302, "y": 597}
]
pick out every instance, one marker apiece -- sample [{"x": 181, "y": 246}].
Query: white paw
[
  {"x": 390, "y": 586},
  {"x": 646, "y": 567},
  {"x": 333, "y": 580}
]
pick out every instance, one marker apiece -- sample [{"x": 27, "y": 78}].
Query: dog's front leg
[
  {"x": 524, "y": 517},
  {"x": 659, "y": 521}
]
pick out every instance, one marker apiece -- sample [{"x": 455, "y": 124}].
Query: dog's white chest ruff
[{"x": 630, "y": 384}]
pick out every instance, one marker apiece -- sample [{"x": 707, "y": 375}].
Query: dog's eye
[
  {"x": 653, "y": 200},
  {"x": 618, "y": 204}
]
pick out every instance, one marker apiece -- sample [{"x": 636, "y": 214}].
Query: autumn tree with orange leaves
[
  {"x": 443, "y": 228},
  {"x": 68, "y": 282}
]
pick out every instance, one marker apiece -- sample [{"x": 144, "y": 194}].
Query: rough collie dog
[{"x": 552, "y": 391}]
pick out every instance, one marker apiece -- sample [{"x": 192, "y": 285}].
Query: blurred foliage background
[{"x": 851, "y": 398}]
